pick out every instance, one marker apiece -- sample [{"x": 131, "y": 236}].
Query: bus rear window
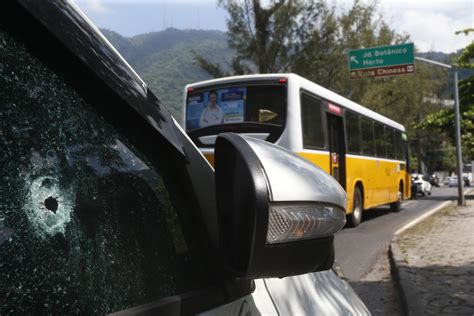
[{"x": 264, "y": 104}]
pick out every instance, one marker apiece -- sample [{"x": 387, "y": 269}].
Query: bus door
[{"x": 337, "y": 148}]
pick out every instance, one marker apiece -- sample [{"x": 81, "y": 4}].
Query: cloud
[
  {"x": 431, "y": 25},
  {"x": 93, "y": 6},
  {"x": 176, "y": 2},
  {"x": 435, "y": 31}
]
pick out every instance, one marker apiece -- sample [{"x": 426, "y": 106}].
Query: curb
[{"x": 410, "y": 300}]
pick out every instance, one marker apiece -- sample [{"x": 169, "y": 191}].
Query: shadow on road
[
  {"x": 437, "y": 198},
  {"x": 370, "y": 214},
  {"x": 438, "y": 289},
  {"x": 380, "y": 297},
  {"x": 444, "y": 197},
  {"x": 375, "y": 212}
]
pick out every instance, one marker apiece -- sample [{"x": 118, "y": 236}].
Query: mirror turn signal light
[{"x": 288, "y": 223}]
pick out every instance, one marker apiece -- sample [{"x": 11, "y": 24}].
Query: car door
[{"x": 98, "y": 207}]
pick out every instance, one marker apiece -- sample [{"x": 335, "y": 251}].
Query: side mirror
[{"x": 277, "y": 212}]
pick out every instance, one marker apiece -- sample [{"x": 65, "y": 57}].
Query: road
[{"x": 358, "y": 249}]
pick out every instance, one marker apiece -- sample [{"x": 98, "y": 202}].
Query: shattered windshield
[{"x": 87, "y": 223}]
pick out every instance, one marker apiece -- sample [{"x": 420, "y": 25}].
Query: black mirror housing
[{"x": 277, "y": 212}]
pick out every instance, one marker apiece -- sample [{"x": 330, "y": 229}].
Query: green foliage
[
  {"x": 443, "y": 120},
  {"x": 467, "y": 56},
  {"x": 165, "y": 60},
  {"x": 465, "y": 31},
  {"x": 273, "y": 38},
  {"x": 214, "y": 70},
  {"x": 405, "y": 99},
  {"x": 310, "y": 39},
  {"x": 361, "y": 26},
  {"x": 304, "y": 37}
]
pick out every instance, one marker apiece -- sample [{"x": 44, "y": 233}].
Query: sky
[{"x": 431, "y": 24}]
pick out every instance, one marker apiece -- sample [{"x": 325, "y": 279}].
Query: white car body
[
  {"x": 453, "y": 181},
  {"x": 425, "y": 185},
  {"x": 319, "y": 293}
]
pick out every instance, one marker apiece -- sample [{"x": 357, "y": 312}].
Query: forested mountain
[
  {"x": 463, "y": 73},
  {"x": 165, "y": 59}
]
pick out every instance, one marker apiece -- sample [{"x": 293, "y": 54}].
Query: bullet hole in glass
[{"x": 51, "y": 204}]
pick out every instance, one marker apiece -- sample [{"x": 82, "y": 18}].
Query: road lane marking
[{"x": 407, "y": 203}]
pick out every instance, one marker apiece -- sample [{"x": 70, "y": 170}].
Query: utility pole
[{"x": 461, "y": 200}]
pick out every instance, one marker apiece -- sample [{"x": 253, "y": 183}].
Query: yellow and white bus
[{"x": 365, "y": 151}]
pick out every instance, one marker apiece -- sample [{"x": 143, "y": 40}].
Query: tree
[
  {"x": 304, "y": 37},
  {"x": 273, "y": 38},
  {"x": 361, "y": 26},
  {"x": 443, "y": 120},
  {"x": 310, "y": 39},
  {"x": 405, "y": 99}
]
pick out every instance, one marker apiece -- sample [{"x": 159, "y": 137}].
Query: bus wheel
[
  {"x": 356, "y": 216},
  {"x": 396, "y": 206}
]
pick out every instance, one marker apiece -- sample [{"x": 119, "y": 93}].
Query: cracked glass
[{"x": 87, "y": 224}]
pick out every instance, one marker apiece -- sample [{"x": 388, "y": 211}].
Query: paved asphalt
[{"x": 357, "y": 249}]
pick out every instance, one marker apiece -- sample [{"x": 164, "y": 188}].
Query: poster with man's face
[{"x": 215, "y": 107}]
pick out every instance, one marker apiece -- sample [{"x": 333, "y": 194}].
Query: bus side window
[
  {"x": 379, "y": 140},
  {"x": 399, "y": 146},
  {"x": 390, "y": 135},
  {"x": 311, "y": 118},
  {"x": 405, "y": 150},
  {"x": 354, "y": 145},
  {"x": 368, "y": 146}
]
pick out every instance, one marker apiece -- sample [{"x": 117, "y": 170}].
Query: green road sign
[
  {"x": 383, "y": 56},
  {"x": 381, "y": 61}
]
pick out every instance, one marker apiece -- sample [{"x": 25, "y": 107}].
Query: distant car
[
  {"x": 432, "y": 179},
  {"x": 453, "y": 181},
  {"x": 423, "y": 186},
  {"x": 446, "y": 181},
  {"x": 415, "y": 188}
]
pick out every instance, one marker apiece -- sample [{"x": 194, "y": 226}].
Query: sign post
[
  {"x": 457, "y": 126},
  {"x": 381, "y": 61}
]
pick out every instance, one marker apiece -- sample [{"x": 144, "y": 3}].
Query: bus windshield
[{"x": 242, "y": 104}]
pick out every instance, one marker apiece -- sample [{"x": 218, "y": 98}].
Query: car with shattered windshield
[{"x": 106, "y": 206}]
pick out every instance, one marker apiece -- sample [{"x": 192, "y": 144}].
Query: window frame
[
  {"x": 371, "y": 121},
  {"x": 390, "y": 143},
  {"x": 359, "y": 136},
  {"x": 381, "y": 142},
  {"x": 322, "y": 110},
  {"x": 238, "y": 84},
  {"x": 274, "y": 130}
]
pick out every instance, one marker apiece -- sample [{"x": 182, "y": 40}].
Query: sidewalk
[{"x": 433, "y": 263}]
